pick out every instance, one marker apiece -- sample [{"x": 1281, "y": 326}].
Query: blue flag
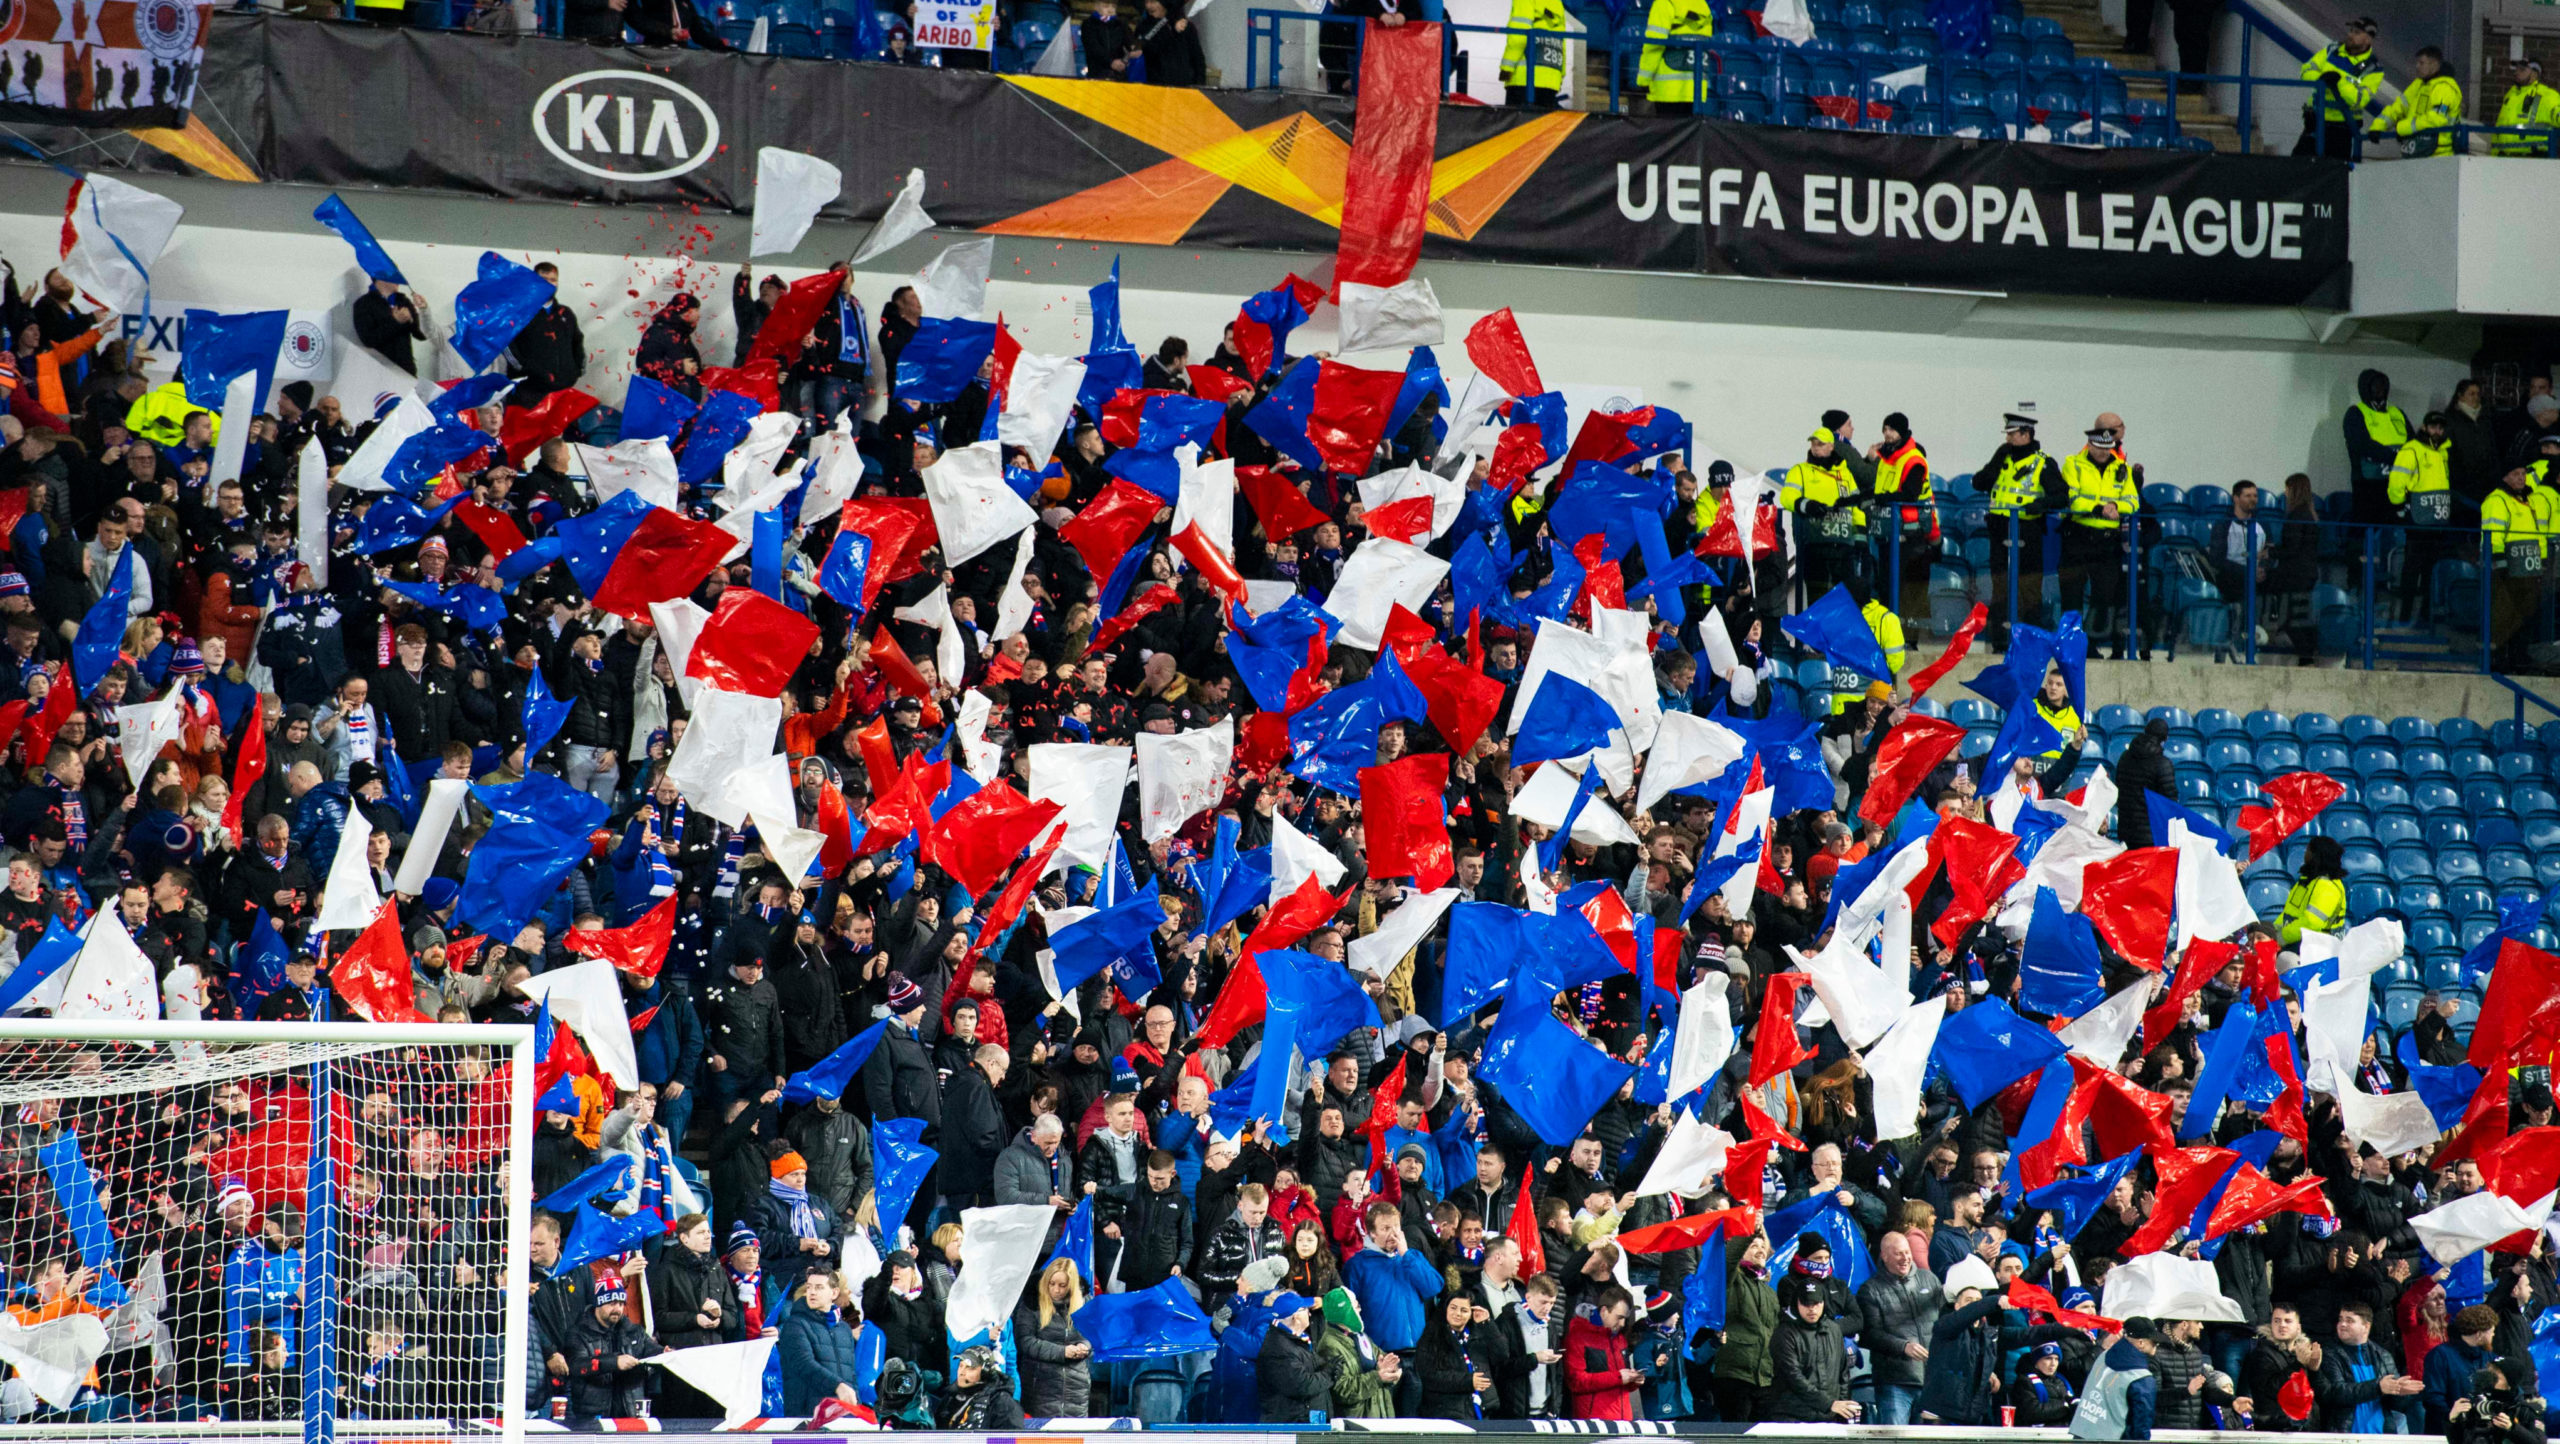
[
  {"x": 1280, "y": 313},
  {"x": 1421, "y": 380},
  {"x": 463, "y": 397},
  {"x": 1146, "y": 1324},
  {"x": 479, "y": 608},
  {"x": 595, "y": 1234},
  {"x": 1480, "y": 574},
  {"x": 1247, "y": 886},
  {"x": 2447, "y": 1091},
  {"x": 538, "y": 838},
  {"x": 1551, "y": 848},
  {"x": 543, "y": 713},
  {"x": 847, "y": 566},
  {"x": 396, "y": 521},
  {"x": 1486, "y": 941},
  {"x": 1702, "y": 1296},
  {"x": 561, "y": 1096},
  {"x": 2023, "y": 733},
  {"x": 1075, "y": 1240},
  {"x": 491, "y": 310},
  {"x": 608, "y": 1181},
  {"x": 1564, "y": 719},
  {"x": 101, "y": 636},
  {"x": 223, "y": 344},
  {"x": 1548, "y": 1074},
  {"x": 1820, "y": 1214},
  {"x": 2164, "y": 810},
  {"x": 1111, "y": 365},
  {"x": 2059, "y": 970},
  {"x": 2075, "y": 1201},
  {"x": 2227, "y": 1051},
  {"x": 256, "y": 971},
  {"x": 50, "y": 955},
  {"x": 1090, "y": 944},
  {"x": 1281, "y": 417},
  {"x": 654, "y": 411},
  {"x": 1599, "y": 498},
  {"x": 830, "y": 1076},
  {"x": 942, "y": 358},
  {"x": 1837, "y": 628},
  {"x": 901, "y": 1163},
  {"x": 1714, "y": 874},
  {"x": 1326, "y": 996},
  {"x": 374, "y": 261},
  {"x": 75, "y": 1193},
  {"x": 1987, "y": 1047},
  {"x": 717, "y": 429}
]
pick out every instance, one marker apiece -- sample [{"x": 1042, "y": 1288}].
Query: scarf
[
  {"x": 854, "y": 349},
  {"x": 732, "y": 860},
  {"x": 750, "y": 1286},
  {"x": 662, "y": 873},
  {"x": 804, "y": 1222},
  {"x": 75, "y": 818},
  {"x": 2377, "y": 1079},
  {"x": 1466, "y": 1361},
  {"x": 1811, "y": 1268}
]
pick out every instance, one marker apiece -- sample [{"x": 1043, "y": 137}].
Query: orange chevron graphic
[
  {"x": 196, "y": 144},
  {"x": 1297, "y": 162}
]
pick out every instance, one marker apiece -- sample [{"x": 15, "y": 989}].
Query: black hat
[
  {"x": 362, "y": 773},
  {"x": 2143, "y": 1329},
  {"x": 299, "y": 393},
  {"x": 1834, "y": 419},
  {"x": 1896, "y": 421},
  {"x": 2365, "y": 23},
  {"x": 1155, "y": 712},
  {"x": 1719, "y": 472}
]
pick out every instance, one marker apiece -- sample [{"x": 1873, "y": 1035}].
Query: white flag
[
  {"x": 1703, "y": 1041},
  {"x": 1390, "y": 318},
  {"x": 588, "y": 997},
  {"x": 729, "y": 730},
  {"x": 1398, "y": 931},
  {"x": 111, "y": 978},
  {"x": 954, "y": 285},
  {"x": 445, "y": 796},
  {"x": 311, "y": 509},
  {"x": 903, "y": 221},
  {"x": 2211, "y": 901},
  {"x": 1901, "y": 80},
  {"x": 1549, "y": 796},
  {"x": 349, "y": 899},
  {"x": 791, "y": 189},
  {"x": 366, "y": 383},
  {"x": 1448, "y": 493},
  {"x": 950, "y": 654},
  {"x": 645, "y": 466},
  {"x": 112, "y": 235},
  {"x": 1788, "y": 20},
  {"x": 240, "y": 404},
  {"x": 1687, "y": 750},
  {"x": 1380, "y": 573},
  {"x": 141, "y": 731},
  {"x": 973, "y": 507},
  {"x": 1013, "y": 605},
  {"x": 1207, "y": 500},
  {"x": 838, "y": 472},
  {"x": 1689, "y": 1158},
  {"x": 2165, "y": 1286},
  {"x": 1058, "y": 57},
  {"x": 1181, "y": 776},
  {"x": 1295, "y": 857},
  {"x": 363, "y": 471},
  {"x": 1038, "y": 402},
  {"x": 979, "y": 757},
  {"x": 1897, "y": 1063},
  {"x": 1087, "y": 781},
  {"x": 54, "y": 1357},
  {"x": 999, "y": 1247},
  {"x": 2100, "y": 1035},
  {"x": 732, "y": 1375}
]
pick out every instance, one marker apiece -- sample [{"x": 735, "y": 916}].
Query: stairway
[{"x": 2092, "y": 36}]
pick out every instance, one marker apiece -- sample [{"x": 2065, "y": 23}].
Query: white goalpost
[{"x": 276, "y": 1231}]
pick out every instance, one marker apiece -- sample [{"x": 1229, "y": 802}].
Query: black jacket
[
  {"x": 2264, "y": 1372},
  {"x": 742, "y": 1024},
  {"x": 972, "y": 1134},
  {"x": 898, "y": 1081},
  {"x": 680, "y": 1284},
  {"x": 1447, "y": 1365},
  {"x": 423, "y": 711},
  {"x": 1155, "y": 1235},
  {"x": 550, "y": 352},
  {"x": 1106, "y": 41},
  {"x": 599, "y": 1387},
  {"x": 379, "y": 330},
  {"x": 1810, "y": 1363},
  {"x": 1293, "y": 1379},
  {"x": 2143, "y": 768}
]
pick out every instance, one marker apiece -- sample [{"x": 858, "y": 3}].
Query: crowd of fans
[{"x": 1377, "y": 1262}]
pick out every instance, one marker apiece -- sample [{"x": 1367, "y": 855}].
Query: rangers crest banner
[{"x": 101, "y": 62}]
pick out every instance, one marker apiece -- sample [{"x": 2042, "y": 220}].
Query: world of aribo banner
[{"x": 1110, "y": 163}]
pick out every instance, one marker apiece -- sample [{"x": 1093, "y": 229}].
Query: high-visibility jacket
[
  {"x": 2093, "y": 483},
  {"x": 2421, "y": 482},
  {"x": 2536, "y": 105},
  {"x": 1821, "y": 485},
  {"x": 2347, "y": 83},
  {"x": 2064, "y": 720},
  {"x": 1677, "y": 73},
  {"x": 1902, "y": 479},
  {"x": 2316, "y": 904},
  {"x": 1536, "y": 62},
  {"x": 160, "y": 417},
  {"x": 2427, "y": 105},
  {"x": 2517, "y": 526},
  {"x": 2019, "y": 489},
  {"x": 1847, "y": 687}
]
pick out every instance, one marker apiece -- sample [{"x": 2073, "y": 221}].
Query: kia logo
[{"x": 625, "y": 125}]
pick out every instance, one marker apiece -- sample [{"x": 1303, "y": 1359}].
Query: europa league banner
[
  {"x": 1109, "y": 163},
  {"x": 101, "y": 62}
]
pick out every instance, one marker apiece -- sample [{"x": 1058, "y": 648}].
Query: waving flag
[
  {"x": 543, "y": 713},
  {"x": 627, "y": 553},
  {"x": 491, "y": 310},
  {"x": 1265, "y": 320},
  {"x": 640, "y": 947},
  {"x": 977, "y": 840},
  {"x": 1987, "y": 1047},
  {"x": 1915, "y": 747},
  {"x": 112, "y": 235},
  {"x": 2058, "y": 967},
  {"x": 221, "y": 345},
  {"x": 1835, "y": 627},
  {"x": 902, "y": 1162},
  {"x": 36, "y": 983},
  {"x": 2296, "y": 798},
  {"x": 101, "y": 635},
  {"x": 594, "y": 1235},
  {"x": 1564, "y": 719},
  {"x": 1499, "y": 351},
  {"x": 1160, "y": 1322},
  {"x": 374, "y": 261},
  {"x": 791, "y": 188},
  {"x": 830, "y": 1076},
  {"x": 539, "y": 835},
  {"x": 1118, "y": 933},
  {"x": 1548, "y": 1074}
]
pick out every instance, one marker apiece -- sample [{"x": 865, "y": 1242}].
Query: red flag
[
  {"x": 1603, "y": 436},
  {"x": 1763, "y": 1128},
  {"x": 976, "y": 840},
  {"x": 13, "y": 720},
  {"x": 2296, "y": 1397},
  {"x": 2524, "y": 1166},
  {"x": 2041, "y": 1303},
  {"x": 1351, "y": 404},
  {"x": 2251, "y": 1196},
  {"x": 2202, "y": 960},
  {"x": 2040, "y": 1163},
  {"x": 1523, "y": 1230},
  {"x": 1154, "y": 600},
  {"x": 760, "y": 380},
  {"x": 901, "y": 530},
  {"x": 60, "y": 699},
  {"x": 2298, "y": 798},
  {"x": 1604, "y": 585},
  {"x": 2285, "y": 1114},
  {"x": 1957, "y": 646},
  {"x": 2126, "y": 1116},
  {"x": 1122, "y": 414},
  {"x": 373, "y": 975},
  {"x": 1262, "y": 743},
  {"x": 665, "y": 558},
  {"x": 1691, "y": 1230},
  {"x": 496, "y": 530},
  {"x": 1405, "y": 812},
  {"x": 879, "y": 757},
  {"x": 1241, "y": 1002},
  {"x": 1214, "y": 566},
  {"x": 1904, "y": 760},
  {"x": 904, "y": 808},
  {"x": 639, "y": 949},
  {"x": 1407, "y": 635},
  {"x": 1216, "y": 383},
  {"x": 2186, "y": 1176},
  {"x": 2483, "y": 1126},
  {"x": 1110, "y": 524},
  {"x": 2263, "y": 980},
  {"x": 1461, "y": 700},
  {"x": 794, "y": 316},
  {"x": 1386, "y": 185},
  {"x": 1277, "y": 503},
  {"x": 1609, "y": 916},
  {"x": 1517, "y": 454},
  {"x": 1982, "y": 865},
  {"x": 1017, "y": 893},
  {"x": 248, "y": 768},
  {"x": 1382, "y": 1113},
  {"x": 2126, "y": 898},
  {"x": 1774, "y": 1049},
  {"x": 835, "y": 821},
  {"x": 1746, "y": 1174},
  {"x": 752, "y": 644},
  {"x": 1495, "y": 345},
  {"x": 2519, "y": 1022},
  {"x": 1401, "y": 520},
  {"x": 524, "y": 428},
  {"x": 901, "y": 674}
]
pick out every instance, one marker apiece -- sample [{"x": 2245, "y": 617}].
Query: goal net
[{"x": 264, "y": 1230}]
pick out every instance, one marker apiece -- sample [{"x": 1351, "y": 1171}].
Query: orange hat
[{"x": 788, "y": 1164}]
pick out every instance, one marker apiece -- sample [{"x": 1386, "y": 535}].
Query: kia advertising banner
[{"x": 1095, "y": 161}]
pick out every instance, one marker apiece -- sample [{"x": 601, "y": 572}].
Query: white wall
[{"x": 2210, "y": 394}]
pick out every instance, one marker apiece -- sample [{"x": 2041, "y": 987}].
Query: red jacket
[{"x": 1592, "y": 1358}]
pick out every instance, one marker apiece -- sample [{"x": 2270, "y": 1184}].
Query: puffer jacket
[
  {"x": 1750, "y": 1319},
  {"x": 2175, "y": 1365},
  {"x": 1811, "y": 1362},
  {"x": 1358, "y": 1392},
  {"x": 1899, "y": 1312},
  {"x": 1235, "y": 1245},
  {"x": 817, "y": 1354},
  {"x": 1053, "y": 1385},
  {"x": 2264, "y": 1371},
  {"x": 1592, "y": 1358}
]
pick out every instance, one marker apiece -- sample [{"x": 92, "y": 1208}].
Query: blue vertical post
[
  {"x": 2488, "y": 663},
  {"x": 2132, "y": 529},
  {"x": 2370, "y": 536},
  {"x": 320, "y": 1271},
  {"x": 2017, "y": 543},
  {"x": 2249, "y": 592}
]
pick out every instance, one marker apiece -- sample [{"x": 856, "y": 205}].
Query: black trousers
[{"x": 2333, "y": 139}]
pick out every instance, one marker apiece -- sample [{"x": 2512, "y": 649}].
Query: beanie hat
[
  {"x": 904, "y": 996},
  {"x": 609, "y": 1290},
  {"x": 741, "y": 1236},
  {"x": 425, "y": 938},
  {"x": 233, "y": 1188},
  {"x": 1124, "y": 1076},
  {"x": 1969, "y": 1273},
  {"x": 185, "y": 660},
  {"x": 1263, "y": 1275},
  {"x": 786, "y": 1164},
  {"x": 439, "y": 893}
]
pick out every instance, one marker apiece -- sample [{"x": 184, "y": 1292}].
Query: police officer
[
  {"x": 1676, "y": 76},
  {"x": 2424, "y": 113},
  {"x": 1905, "y": 502},
  {"x": 2024, "y": 484},
  {"x": 1830, "y": 527},
  {"x": 1533, "y": 65},
  {"x": 2517, "y": 518},
  {"x": 2422, "y": 487},
  {"x": 2529, "y": 103},
  {"x": 2105, "y": 493},
  {"x": 2348, "y": 76},
  {"x": 2376, "y": 430}
]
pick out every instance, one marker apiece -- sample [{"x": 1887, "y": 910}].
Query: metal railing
[{"x": 2428, "y": 598}]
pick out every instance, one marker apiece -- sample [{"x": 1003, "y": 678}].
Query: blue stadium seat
[
  {"x": 2443, "y": 972},
  {"x": 2313, "y": 726},
  {"x": 2434, "y": 794},
  {"x": 1915, "y": 45},
  {"x": 2425, "y": 759},
  {"x": 2474, "y": 930},
  {"x": 2263, "y": 724},
  {"x": 2402, "y": 970},
  {"x": 2344, "y": 824},
  {"x": 2227, "y": 751},
  {"x": 2209, "y": 501},
  {"x": 2412, "y": 729},
  {"x": 2003, "y": 27},
  {"x": 2408, "y": 860},
  {"x": 2400, "y": 1007},
  {"x": 2186, "y": 753},
  {"x": 2447, "y": 829},
  {"x": 2235, "y": 787},
  {"x": 2549, "y": 735},
  {"x": 2330, "y": 756},
  {"x": 1977, "y": 742},
  {"x": 2366, "y": 896},
  {"x": 1973, "y": 711},
  {"x": 2458, "y": 864},
  {"x": 2362, "y": 857},
  {"x": 2469, "y": 898},
  {"x": 2508, "y": 867},
  {"x": 2194, "y": 788},
  {"x": 2159, "y": 498},
  {"x": 2541, "y": 832},
  {"x": 2533, "y": 799},
  {"x": 2517, "y": 764},
  {"x": 2040, "y": 27},
  {"x": 2267, "y": 895},
  {"x": 2546, "y": 870},
  {"x": 1929, "y": 707},
  {"x": 2468, "y": 762},
  {"x": 2461, "y": 732},
  {"x": 2176, "y": 717},
  {"x": 2377, "y": 761},
  {"x": 2361, "y": 727},
  {"x": 2390, "y": 790},
  {"x": 2117, "y": 717},
  {"x": 2278, "y": 755},
  {"x": 2485, "y": 797},
  {"x": 2507, "y": 735},
  {"x": 2214, "y": 721},
  {"x": 2428, "y": 929}
]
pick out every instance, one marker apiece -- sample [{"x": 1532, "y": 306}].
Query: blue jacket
[
  {"x": 817, "y": 1354},
  {"x": 2143, "y": 1396},
  {"x": 1182, "y": 1136},
  {"x": 260, "y": 1290},
  {"x": 670, "y": 1048},
  {"x": 2449, "y": 1369},
  {"x": 318, "y": 820},
  {"x": 1395, "y": 1294},
  {"x": 632, "y": 872}
]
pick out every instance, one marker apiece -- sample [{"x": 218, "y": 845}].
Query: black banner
[
  {"x": 102, "y": 62},
  {"x": 342, "y": 105}
]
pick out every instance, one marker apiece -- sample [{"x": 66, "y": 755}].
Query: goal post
[{"x": 264, "y": 1230}]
